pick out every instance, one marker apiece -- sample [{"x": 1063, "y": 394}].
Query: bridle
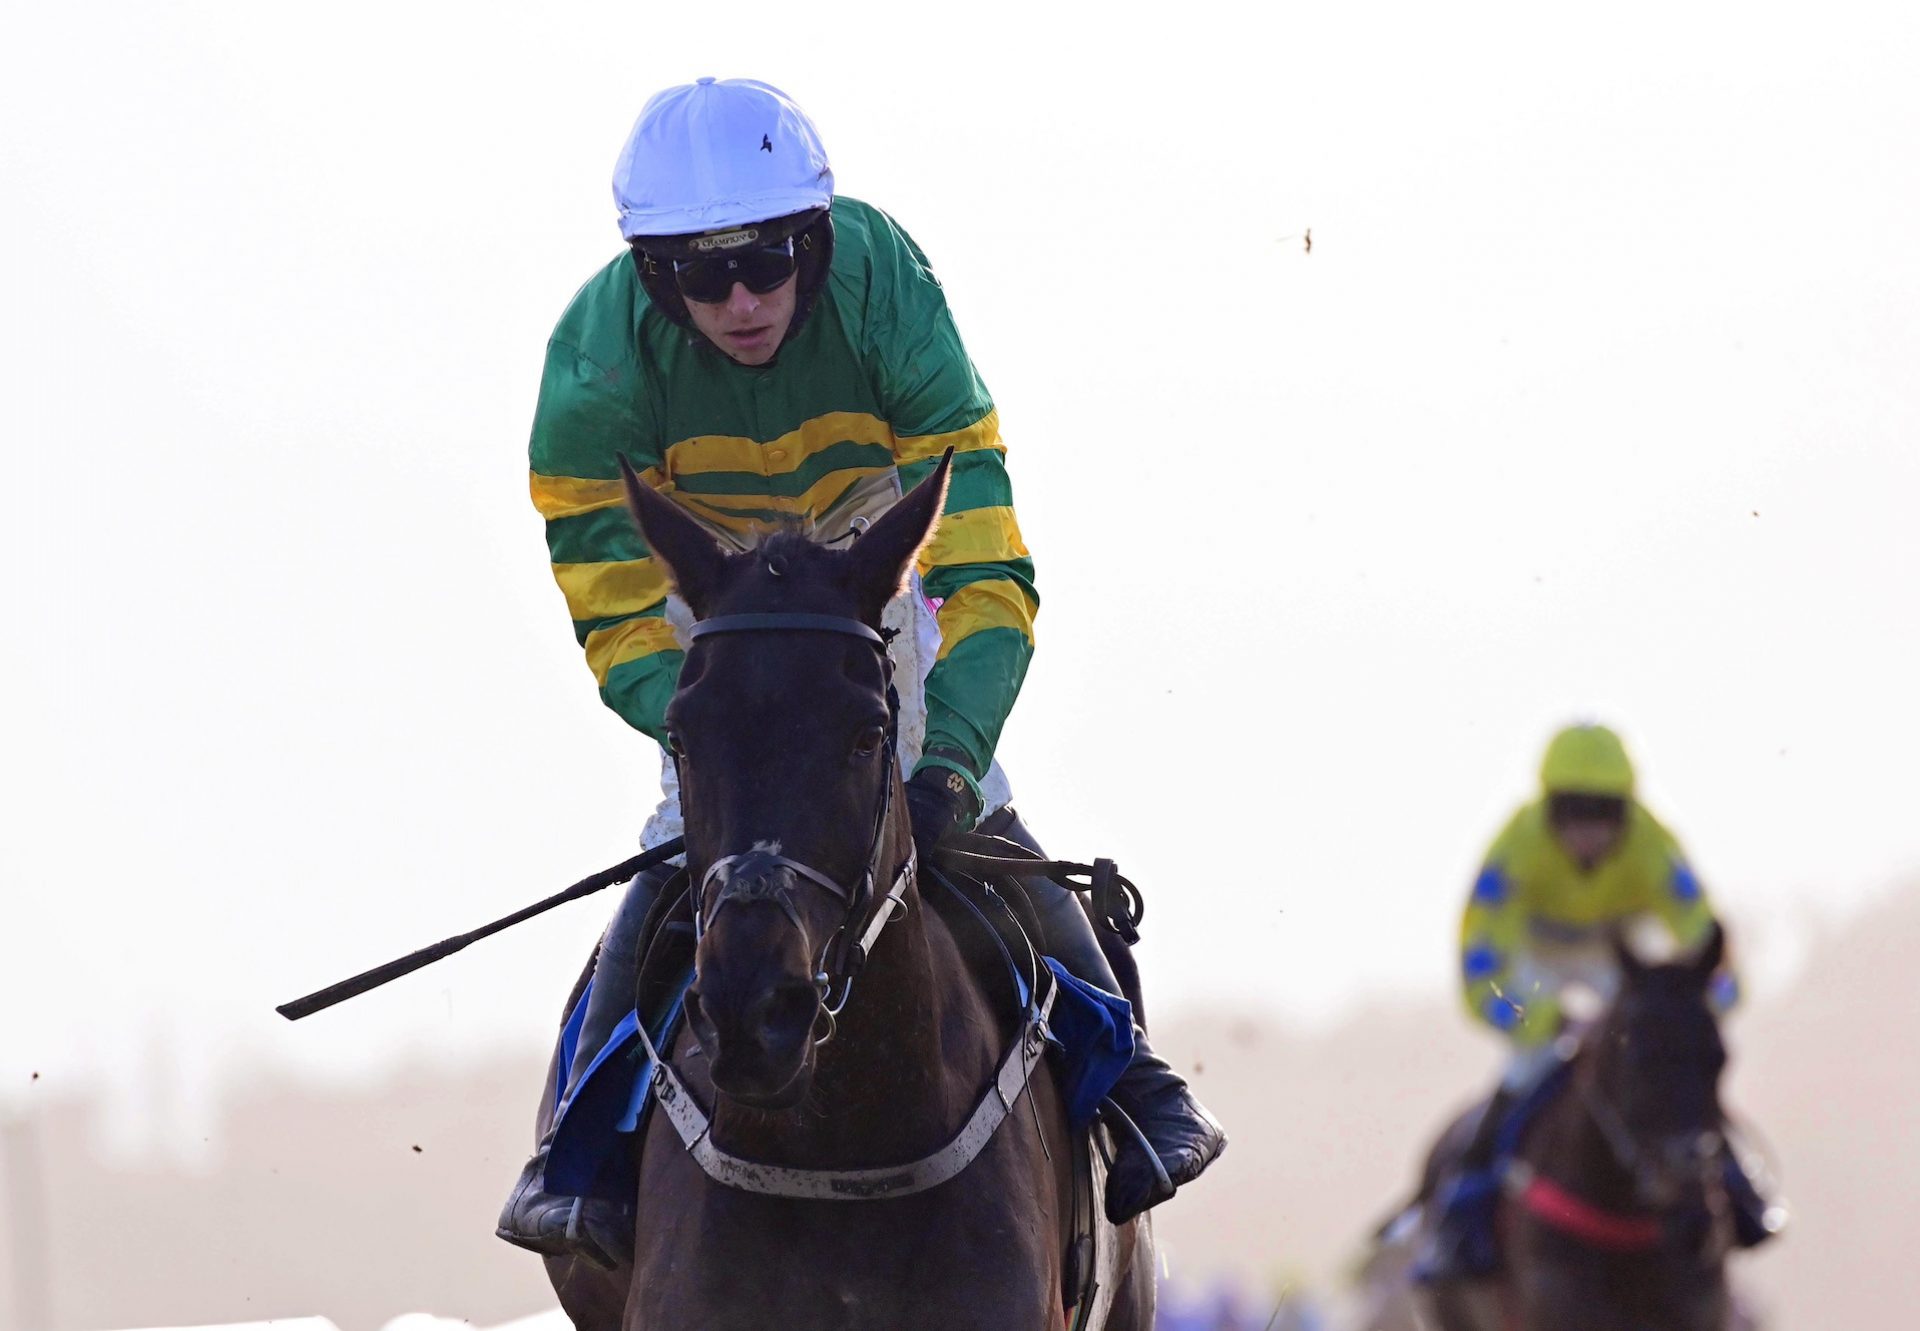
[
  {"x": 845, "y": 953},
  {"x": 840, "y": 962},
  {"x": 1659, "y": 1184}
]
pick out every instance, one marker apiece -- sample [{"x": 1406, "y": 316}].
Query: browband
[{"x": 757, "y": 623}]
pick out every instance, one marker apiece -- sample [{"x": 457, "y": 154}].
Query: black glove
[{"x": 940, "y": 802}]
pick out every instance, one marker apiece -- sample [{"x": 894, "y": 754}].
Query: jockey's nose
[{"x": 742, "y": 301}]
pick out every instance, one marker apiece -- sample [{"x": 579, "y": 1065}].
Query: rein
[
  {"x": 1652, "y": 1184},
  {"x": 1620, "y": 1144},
  {"x": 1115, "y": 899}
]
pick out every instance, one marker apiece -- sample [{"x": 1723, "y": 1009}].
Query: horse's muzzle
[{"x": 762, "y": 1056}]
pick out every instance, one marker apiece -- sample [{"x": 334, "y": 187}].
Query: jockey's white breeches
[{"x": 1584, "y": 976}]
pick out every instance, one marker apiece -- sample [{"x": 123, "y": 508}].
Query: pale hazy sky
[{"x": 1596, "y": 396}]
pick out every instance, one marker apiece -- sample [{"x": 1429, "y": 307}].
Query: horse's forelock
[
  {"x": 791, "y": 543},
  {"x": 787, "y": 569},
  {"x": 790, "y": 540}
]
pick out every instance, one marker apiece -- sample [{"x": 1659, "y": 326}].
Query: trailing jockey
[
  {"x": 1570, "y": 869},
  {"x": 766, "y": 352}
]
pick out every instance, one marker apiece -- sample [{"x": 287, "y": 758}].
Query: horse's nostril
[
  {"x": 788, "y": 1013},
  {"x": 697, "y": 1019}
]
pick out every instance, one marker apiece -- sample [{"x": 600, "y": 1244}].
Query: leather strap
[
  {"x": 1609, "y": 1231},
  {"x": 1115, "y": 898},
  {"x": 761, "y": 623},
  {"x": 854, "y": 1185}
]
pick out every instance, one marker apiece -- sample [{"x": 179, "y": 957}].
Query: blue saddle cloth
[
  {"x": 1092, "y": 1032},
  {"x": 1471, "y": 1201},
  {"x": 595, "y": 1145}
]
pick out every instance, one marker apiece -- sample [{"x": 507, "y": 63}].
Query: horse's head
[
  {"x": 784, "y": 736},
  {"x": 1653, "y": 1081}
]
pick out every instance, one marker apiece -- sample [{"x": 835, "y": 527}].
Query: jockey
[
  {"x": 1569, "y": 870},
  {"x": 767, "y": 350}
]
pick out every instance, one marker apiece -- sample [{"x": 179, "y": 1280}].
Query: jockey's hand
[{"x": 939, "y": 802}]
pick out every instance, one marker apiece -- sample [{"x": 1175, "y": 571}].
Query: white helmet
[{"x": 715, "y": 154}]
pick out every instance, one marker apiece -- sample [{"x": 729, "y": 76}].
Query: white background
[{"x": 1595, "y": 396}]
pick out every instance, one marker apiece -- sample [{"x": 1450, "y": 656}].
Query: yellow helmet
[{"x": 1587, "y": 760}]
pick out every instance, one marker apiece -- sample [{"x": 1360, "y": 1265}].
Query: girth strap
[{"x": 854, "y": 1185}]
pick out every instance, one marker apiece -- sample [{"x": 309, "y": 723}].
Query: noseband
[{"x": 845, "y": 953}]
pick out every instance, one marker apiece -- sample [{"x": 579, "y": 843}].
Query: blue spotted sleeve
[
  {"x": 1492, "y": 932},
  {"x": 1681, "y": 903}
]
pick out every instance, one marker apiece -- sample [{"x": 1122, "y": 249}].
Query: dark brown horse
[
  {"x": 822, "y": 1063},
  {"x": 1615, "y": 1215}
]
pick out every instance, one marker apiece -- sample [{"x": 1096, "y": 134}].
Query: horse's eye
[
  {"x": 868, "y": 741},
  {"x": 674, "y": 746}
]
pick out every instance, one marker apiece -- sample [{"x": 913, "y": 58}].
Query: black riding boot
[
  {"x": 1183, "y": 1137},
  {"x": 591, "y": 1227},
  {"x": 1461, "y": 1244}
]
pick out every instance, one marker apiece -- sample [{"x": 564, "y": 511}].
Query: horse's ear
[
  {"x": 885, "y": 553},
  {"x": 693, "y": 559},
  {"x": 1712, "y": 952}
]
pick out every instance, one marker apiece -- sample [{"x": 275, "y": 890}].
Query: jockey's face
[
  {"x": 747, "y": 327},
  {"x": 1588, "y": 827},
  {"x": 1587, "y": 841}
]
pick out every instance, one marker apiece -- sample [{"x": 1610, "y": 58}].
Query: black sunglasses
[
  {"x": 709, "y": 279},
  {"x": 1564, "y": 807}
]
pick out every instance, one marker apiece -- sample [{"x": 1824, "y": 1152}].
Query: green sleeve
[
  {"x": 977, "y": 564},
  {"x": 588, "y": 416}
]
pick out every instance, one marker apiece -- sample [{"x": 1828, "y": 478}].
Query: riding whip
[{"x": 426, "y": 956}]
